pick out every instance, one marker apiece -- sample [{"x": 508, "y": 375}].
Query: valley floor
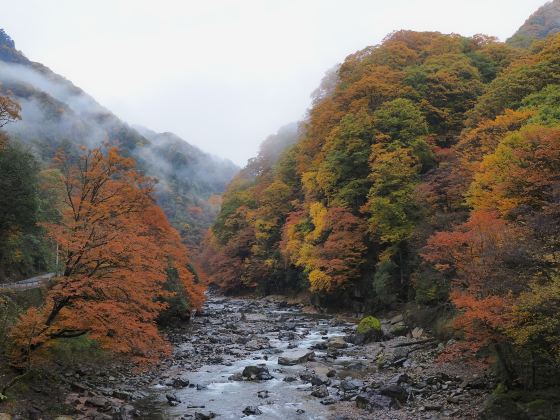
[{"x": 267, "y": 359}]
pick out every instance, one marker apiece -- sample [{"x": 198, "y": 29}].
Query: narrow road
[{"x": 30, "y": 283}]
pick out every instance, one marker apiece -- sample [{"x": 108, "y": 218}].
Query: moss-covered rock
[
  {"x": 367, "y": 324},
  {"x": 369, "y": 329}
]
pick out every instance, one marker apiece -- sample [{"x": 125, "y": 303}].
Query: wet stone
[
  {"x": 320, "y": 391},
  {"x": 328, "y": 401},
  {"x": 350, "y": 385},
  {"x": 172, "y": 400},
  {"x": 263, "y": 394},
  {"x": 256, "y": 373},
  {"x": 296, "y": 359},
  {"x": 202, "y": 416},
  {"x": 252, "y": 411}
]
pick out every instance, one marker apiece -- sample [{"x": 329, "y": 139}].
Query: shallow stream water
[{"x": 225, "y": 352}]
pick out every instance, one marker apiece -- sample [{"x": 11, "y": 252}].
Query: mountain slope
[
  {"x": 57, "y": 114},
  {"x": 544, "y": 22},
  {"x": 335, "y": 213}
]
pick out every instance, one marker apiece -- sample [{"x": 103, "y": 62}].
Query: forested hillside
[
  {"x": 56, "y": 114},
  {"x": 429, "y": 172}
]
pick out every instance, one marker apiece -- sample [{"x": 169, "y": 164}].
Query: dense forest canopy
[{"x": 427, "y": 171}]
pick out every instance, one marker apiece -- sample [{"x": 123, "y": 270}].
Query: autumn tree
[
  {"x": 117, "y": 246},
  {"x": 329, "y": 244},
  {"x": 482, "y": 260},
  {"x": 10, "y": 111}
]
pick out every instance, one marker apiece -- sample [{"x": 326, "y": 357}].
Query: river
[{"x": 231, "y": 363}]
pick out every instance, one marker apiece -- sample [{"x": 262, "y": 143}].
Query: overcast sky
[{"x": 223, "y": 74}]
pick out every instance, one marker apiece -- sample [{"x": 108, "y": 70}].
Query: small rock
[
  {"x": 263, "y": 394},
  {"x": 328, "y": 401},
  {"x": 202, "y": 416},
  {"x": 350, "y": 385},
  {"x": 172, "y": 400},
  {"x": 296, "y": 359},
  {"x": 373, "y": 401},
  {"x": 319, "y": 346},
  {"x": 314, "y": 379},
  {"x": 358, "y": 366},
  {"x": 417, "y": 332},
  {"x": 259, "y": 373},
  {"x": 252, "y": 411},
  {"x": 396, "y": 319},
  {"x": 179, "y": 383},
  {"x": 320, "y": 391},
  {"x": 96, "y": 401},
  {"x": 400, "y": 378}
]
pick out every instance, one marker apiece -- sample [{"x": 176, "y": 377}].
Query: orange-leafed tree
[
  {"x": 483, "y": 260},
  {"x": 117, "y": 247}
]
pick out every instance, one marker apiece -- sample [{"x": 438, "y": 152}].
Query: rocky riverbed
[{"x": 266, "y": 359}]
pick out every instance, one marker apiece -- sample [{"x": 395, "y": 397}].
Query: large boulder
[
  {"x": 395, "y": 392},
  {"x": 373, "y": 401},
  {"x": 337, "y": 342},
  {"x": 367, "y": 331}
]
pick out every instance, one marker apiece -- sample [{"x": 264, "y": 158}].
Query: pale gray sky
[{"x": 223, "y": 74}]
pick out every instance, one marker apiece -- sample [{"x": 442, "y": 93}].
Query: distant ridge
[
  {"x": 57, "y": 114},
  {"x": 544, "y": 22}
]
